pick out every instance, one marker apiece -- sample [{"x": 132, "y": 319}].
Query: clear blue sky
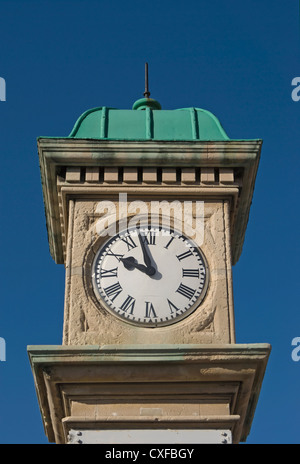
[{"x": 234, "y": 58}]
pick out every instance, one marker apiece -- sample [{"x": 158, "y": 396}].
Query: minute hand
[{"x": 147, "y": 258}]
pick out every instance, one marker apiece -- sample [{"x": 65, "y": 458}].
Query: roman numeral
[
  {"x": 149, "y": 238},
  {"x": 128, "y": 304},
  {"x": 150, "y": 312},
  {"x": 113, "y": 291},
  {"x": 172, "y": 306},
  {"x": 116, "y": 255},
  {"x": 129, "y": 242},
  {"x": 169, "y": 242},
  {"x": 184, "y": 255},
  {"x": 190, "y": 273},
  {"x": 185, "y": 291},
  {"x": 109, "y": 272}
]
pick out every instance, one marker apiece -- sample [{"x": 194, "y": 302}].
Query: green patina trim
[
  {"x": 195, "y": 130},
  {"x": 41, "y": 354},
  {"x": 149, "y": 124},
  {"x": 184, "y": 124},
  {"x": 144, "y": 103},
  {"x": 82, "y": 117},
  {"x": 62, "y": 138},
  {"x": 103, "y": 127}
]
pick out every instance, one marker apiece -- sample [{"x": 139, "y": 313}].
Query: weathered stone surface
[
  {"x": 87, "y": 320},
  {"x": 148, "y": 387}
]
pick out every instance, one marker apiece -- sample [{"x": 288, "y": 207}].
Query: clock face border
[{"x": 196, "y": 301}]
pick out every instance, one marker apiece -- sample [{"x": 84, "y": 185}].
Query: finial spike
[{"x": 146, "y": 93}]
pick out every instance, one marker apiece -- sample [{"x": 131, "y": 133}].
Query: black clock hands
[
  {"x": 130, "y": 263},
  {"x": 147, "y": 259}
]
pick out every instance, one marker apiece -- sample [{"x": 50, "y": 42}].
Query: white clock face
[{"x": 150, "y": 276}]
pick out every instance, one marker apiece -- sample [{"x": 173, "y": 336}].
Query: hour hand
[{"x": 130, "y": 263}]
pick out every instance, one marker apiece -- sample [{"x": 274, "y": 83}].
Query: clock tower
[{"x": 147, "y": 210}]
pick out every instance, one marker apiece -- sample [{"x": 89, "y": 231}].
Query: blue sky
[{"x": 235, "y": 59}]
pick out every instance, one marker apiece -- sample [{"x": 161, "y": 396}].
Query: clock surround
[{"x": 87, "y": 320}]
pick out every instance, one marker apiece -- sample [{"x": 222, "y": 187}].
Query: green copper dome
[{"x": 146, "y": 121}]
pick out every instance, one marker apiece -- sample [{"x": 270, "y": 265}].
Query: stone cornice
[
  {"x": 128, "y": 153},
  {"x": 56, "y": 154}
]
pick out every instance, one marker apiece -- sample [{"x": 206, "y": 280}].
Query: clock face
[{"x": 150, "y": 276}]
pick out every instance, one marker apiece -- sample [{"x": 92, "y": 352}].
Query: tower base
[{"x": 148, "y": 394}]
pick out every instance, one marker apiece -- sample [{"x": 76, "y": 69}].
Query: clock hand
[
  {"x": 129, "y": 263},
  {"x": 147, "y": 258}
]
